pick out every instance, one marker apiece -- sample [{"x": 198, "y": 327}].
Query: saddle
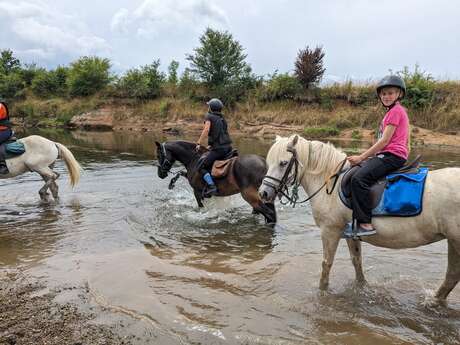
[
  {"x": 377, "y": 189},
  {"x": 221, "y": 168}
]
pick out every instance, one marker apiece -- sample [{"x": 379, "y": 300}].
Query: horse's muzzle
[{"x": 267, "y": 194}]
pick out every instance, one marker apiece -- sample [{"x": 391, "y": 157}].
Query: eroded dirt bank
[{"x": 104, "y": 119}]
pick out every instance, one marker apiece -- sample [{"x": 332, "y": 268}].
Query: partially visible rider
[
  {"x": 219, "y": 142},
  {"x": 5, "y": 133}
]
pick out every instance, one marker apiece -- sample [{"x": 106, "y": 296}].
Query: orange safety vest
[{"x": 4, "y": 118}]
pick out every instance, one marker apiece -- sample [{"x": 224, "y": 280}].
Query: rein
[{"x": 282, "y": 189}]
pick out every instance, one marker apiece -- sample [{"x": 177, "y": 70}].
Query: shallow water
[{"x": 215, "y": 276}]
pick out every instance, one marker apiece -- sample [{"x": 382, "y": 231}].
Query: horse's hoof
[
  {"x": 360, "y": 284},
  {"x": 433, "y": 302},
  {"x": 323, "y": 286}
]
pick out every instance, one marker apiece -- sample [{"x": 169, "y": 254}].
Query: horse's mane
[{"x": 322, "y": 159}]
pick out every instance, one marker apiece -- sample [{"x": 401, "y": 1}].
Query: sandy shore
[{"x": 30, "y": 316}]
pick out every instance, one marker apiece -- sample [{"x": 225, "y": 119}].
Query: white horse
[
  {"x": 40, "y": 156},
  {"x": 439, "y": 220}
]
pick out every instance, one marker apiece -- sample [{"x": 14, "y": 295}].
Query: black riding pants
[
  {"x": 5, "y": 135},
  {"x": 211, "y": 156},
  {"x": 370, "y": 172}
]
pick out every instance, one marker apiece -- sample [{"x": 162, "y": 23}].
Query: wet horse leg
[
  {"x": 54, "y": 187},
  {"x": 452, "y": 274},
  {"x": 48, "y": 176},
  {"x": 354, "y": 248},
  {"x": 198, "y": 197},
  {"x": 330, "y": 239}
]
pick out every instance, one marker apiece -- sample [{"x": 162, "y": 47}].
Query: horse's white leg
[
  {"x": 54, "y": 187},
  {"x": 330, "y": 240},
  {"x": 452, "y": 275},
  {"x": 48, "y": 176},
  {"x": 354, "y": 247}
]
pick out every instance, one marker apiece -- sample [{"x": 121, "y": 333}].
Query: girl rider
[
  {"x": 388, "y": 154},
  {"x": 219, "y": 143}
]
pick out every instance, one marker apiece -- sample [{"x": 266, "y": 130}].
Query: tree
[
  {"x": 219, "y": 60},
  {"x": 309, "y": 66},
  {"x": 8, "y": 63},
  {"x": 88, "y": 75},
  {"x": 172, "y": 72}
]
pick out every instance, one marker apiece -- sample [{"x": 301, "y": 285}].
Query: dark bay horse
[{"x": 246, "y": 174}]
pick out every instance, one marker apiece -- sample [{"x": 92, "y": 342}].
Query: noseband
[{"x": 281, "y": 186}]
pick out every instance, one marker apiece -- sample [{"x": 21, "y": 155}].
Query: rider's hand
[
  {"x": 355, "y": 160},
  {"x": 197, "y": 147}
]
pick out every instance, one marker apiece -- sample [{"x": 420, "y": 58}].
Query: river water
[{"x": 166, "y": 272}]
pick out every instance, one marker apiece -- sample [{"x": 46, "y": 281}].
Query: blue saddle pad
[
  {"x": 403, "y": 195},
  {"x": 14, "y": 149}
]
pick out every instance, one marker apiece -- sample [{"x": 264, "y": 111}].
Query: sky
[{"x": 363, "y": 39}]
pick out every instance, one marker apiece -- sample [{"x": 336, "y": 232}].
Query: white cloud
[
  {"x": 33, "y": 27},
  {"x": 153, "y": 17}
]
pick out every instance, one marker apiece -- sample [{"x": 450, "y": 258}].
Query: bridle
[
  {"x": 164, "y": 163},
  {"x": 282, "y": 185}
]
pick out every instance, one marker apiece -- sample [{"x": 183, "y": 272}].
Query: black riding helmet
[
  {"x": 392, "y": 80},
  {"x": 215, "y": 104}
]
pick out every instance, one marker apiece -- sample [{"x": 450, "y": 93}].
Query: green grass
[{"x": 321, "y": 132}]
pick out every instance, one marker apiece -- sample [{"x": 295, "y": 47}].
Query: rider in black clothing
[{"x": 219, "y": 142}]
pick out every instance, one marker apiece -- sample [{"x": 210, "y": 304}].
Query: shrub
[
  {"x": 49, "y": 83},
  {"x": 356, "y": 135},
  {"x": 280, "y": 86},
  {"x": 420, "y": 88},
  {"x": 143, "y": 83},
  {"x": 11, "y": 86},
  {"x": 88, "y": 75}
]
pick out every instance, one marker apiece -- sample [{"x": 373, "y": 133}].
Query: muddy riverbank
[{"x": 29, "y": 315}]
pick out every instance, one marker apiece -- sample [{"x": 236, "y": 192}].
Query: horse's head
[
  {"x": 283, "y": 168},
  {"x": 165, "y": 160}
]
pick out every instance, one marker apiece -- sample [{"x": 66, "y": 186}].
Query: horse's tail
[{"x": 72, "y": 165}]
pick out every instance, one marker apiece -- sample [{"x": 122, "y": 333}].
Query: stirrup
[
  {"x": 210, "y": 191},
  {"x": 349, "y": 232}
]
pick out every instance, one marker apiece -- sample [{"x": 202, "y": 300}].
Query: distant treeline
[{"x": 218, "y": 68}]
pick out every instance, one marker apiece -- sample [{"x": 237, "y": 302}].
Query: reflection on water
[{"x": 214, "y": 275}]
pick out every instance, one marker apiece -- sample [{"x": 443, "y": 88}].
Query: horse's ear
[
  {"x": 290, "y": 147},
  {"x": 277, "y": 138}
]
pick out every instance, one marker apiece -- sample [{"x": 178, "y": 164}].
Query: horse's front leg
[
  {"x": 354, "y": 246},
  {"x": 330, "y": 240},
  {"x": 198, "y": 198}
]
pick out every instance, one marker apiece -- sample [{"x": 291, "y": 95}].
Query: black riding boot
[{"x": 3, "y": 168}]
